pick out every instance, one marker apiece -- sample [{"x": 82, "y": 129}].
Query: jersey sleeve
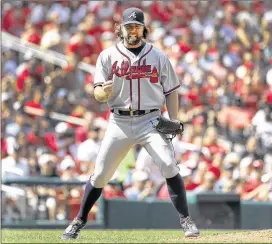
[
  {"x": 101, "y": 70},
  {"x": 169, "y": 79}
]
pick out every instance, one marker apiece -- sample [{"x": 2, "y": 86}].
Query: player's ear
[{"x": 146, "y": 32}]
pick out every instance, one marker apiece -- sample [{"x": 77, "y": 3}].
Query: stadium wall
[{"x": 209, "y": 210}]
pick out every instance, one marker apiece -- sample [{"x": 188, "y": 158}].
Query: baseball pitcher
[{"x": 136, "y": 80}]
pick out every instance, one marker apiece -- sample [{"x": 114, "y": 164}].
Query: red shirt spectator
[
  {"x": 88, "y": 79},
  {"x": 215, "y": 171},
  {"x": 34, "y": 38},
  {"x": 193, "y": 96},
  {"x": 105, "y": 115},
  {"x": 215, "y": 148},
  {"x": 21, "y": 78},
  {"x": 33, "y": 104},
  {"x": 49, "y": 139},
  {"x": 81, "y": 134},
  {"x": 250, "y": 185},
  {"x": 230, "y": 115},
  {"x": 163, "y": 193},
  {"x": 4, "y": 147},
  {"x": 14, "y": 20},
  {"x": 25, "y": 73},
  {"x": 160, "y": 12},
  {"x": 268, "y": 95},
  {"x": 82, "y": 46},
  {"x": 31, "y": 34},
  {"x": 111, "y": 191}
]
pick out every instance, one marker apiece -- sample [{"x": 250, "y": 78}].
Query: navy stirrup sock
[
  {"x": 177, "y": 194},
  {"x": 90, "y": 196}
]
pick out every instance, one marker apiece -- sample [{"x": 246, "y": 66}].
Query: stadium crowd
[{"x": 222, "y": 54}]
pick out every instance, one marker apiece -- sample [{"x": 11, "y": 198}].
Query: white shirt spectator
[
  {"x": 67, "y": 162},
  {"x": 79, "y": 14},
  {"x": 38, "y": 13},
  {"x": 87, "y": 150},
  {"x": 248, "y": 17},
  {"x": 63, "y": 12},
  {"x": 9, "y": 67},
  {"x": 145, "y": 163},
  {"x": 12, "y": 169},
  {"x": 263, "y": 127},
  {"x": 12, "y": 129},
  {"x": 134, "y": 192},
  {"x": 92, "y": 5},
  {"x": 11, "y": 144},
  {"x": 106, "y": 11},
  {"x": 51, "y": 38},
  {"x": 268, "y": 16}
]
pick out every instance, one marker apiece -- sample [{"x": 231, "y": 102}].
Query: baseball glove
[{"x": 168, "y": 126}]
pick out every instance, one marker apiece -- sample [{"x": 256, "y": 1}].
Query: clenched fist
[
  {"x": 108, "y": 87},
  {"x": 103, "y": 93}
]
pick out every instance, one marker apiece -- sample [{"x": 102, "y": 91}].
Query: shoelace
[
  {"x": 188, "y": 224},
  {"x": 75, "y": 227}
]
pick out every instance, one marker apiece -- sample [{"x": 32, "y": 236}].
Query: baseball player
[{"x": 135, "y": 79}]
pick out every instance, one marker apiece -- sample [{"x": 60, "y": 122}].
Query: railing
[
  {"x": 49, "y": 194},
  {"x": 56, "y": 116}
]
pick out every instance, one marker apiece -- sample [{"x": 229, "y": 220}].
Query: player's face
[{"x": 133, "y": 33}]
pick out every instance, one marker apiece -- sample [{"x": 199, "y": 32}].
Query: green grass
[{"x": 98, "y": 236}]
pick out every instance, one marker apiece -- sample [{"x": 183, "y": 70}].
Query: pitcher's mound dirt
[{"x": 258, "y": 236}]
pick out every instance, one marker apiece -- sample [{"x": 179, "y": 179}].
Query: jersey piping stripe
[
  {"x": 130, "y": 81},
  {"x": 98, "y": 84},
  {"x": 165, "y": 93},
  {"x": 139, "y": 80}
]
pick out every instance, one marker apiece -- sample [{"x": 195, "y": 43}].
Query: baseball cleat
[
  {"x": 72, "y": 231},
  {"x": 189, "y": 227}
]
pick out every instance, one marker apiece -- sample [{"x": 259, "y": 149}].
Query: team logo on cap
[{"x": 133, "y": 15}]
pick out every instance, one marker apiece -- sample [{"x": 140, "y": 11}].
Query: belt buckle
[{"x": 131, "y": 112}]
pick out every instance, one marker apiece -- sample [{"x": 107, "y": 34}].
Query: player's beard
[{"x": 133, "y": 40}]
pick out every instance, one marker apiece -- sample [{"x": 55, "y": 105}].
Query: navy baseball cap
[{"x": 133, "y": 16}]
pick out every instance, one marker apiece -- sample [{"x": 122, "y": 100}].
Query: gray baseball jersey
[{"x": 139, "y": 83}]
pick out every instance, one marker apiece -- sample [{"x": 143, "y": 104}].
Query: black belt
[{"x": 132, "y": 112}]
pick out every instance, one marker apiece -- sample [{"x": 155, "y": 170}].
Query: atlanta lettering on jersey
[{"x": 135, "y": 71}]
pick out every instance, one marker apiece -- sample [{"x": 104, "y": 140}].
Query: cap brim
[{"x": 133, "y": 22}]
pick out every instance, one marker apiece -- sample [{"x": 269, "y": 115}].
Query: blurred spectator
[
  {"x": 87, "y": 150},
  {"x": 9, "y": 63},
  {"x": 15, "y": 16},
  {"x": 263, "y": 122},
  {"x": 47, "y": 163},
  {"x": 14, "y": 127},
  {"x": 226, "y": 180},
  {"x": 145, "y": 163},
  {"x": 67, "y": 169},
  {"x": 31, "y": 34},
  {"x": 15, "y": 165},
  {"x": 254, "y": 180},
  {"x": 51, "y": 33},
  {"x": 161, "y": 191},
  {"x": 252, "y": 151},
  {"x": 208, "y": 183},
  {"x": 141, "y": 186},
  {"x": 211, "y": 141},
  {"x": 114, "y": 189}
]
